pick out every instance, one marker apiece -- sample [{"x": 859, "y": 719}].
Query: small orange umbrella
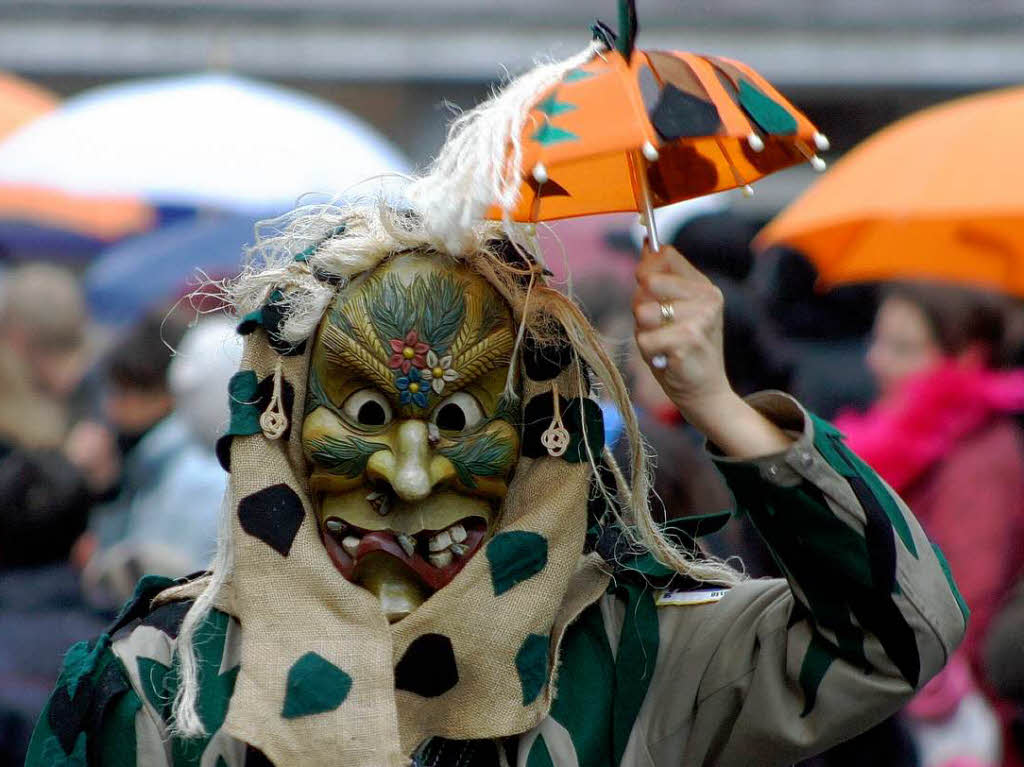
[
  {"x": 633, "y": 130},
  {"x": 936, "y": 195},
  {"x": 21, "y": 102}
]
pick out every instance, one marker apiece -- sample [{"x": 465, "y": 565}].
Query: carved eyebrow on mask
[{"x": 433, "y": 324}]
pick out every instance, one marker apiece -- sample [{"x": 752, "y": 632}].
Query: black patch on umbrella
[
  {"x": 543, "y": 362},
  {"x": 428, "y": 667},
  {"x": 274, "y": 515},
  {"x": 255, "y": 758},
  {"x": 549, "y": 188},
  {"x": 681, "y": 172},
  {"x": 775, "y": 155},
  {"x": 682, "y": 115}
]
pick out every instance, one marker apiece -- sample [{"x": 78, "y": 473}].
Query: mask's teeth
[
  {"x": 440, "y": 542},
  {"x": 458, "y": 549},
  {"x": 441, "y": 559},
  {"x": 457, "y": 532},
  {"x": 350, "y": 544},
  {"x": 407, "y": 542},
  {"x": 334, "y": 525}
]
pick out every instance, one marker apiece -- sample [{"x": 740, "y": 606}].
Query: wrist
[
  {"x": 703, "y": 412},
  {"x": 734, "y": 427}
]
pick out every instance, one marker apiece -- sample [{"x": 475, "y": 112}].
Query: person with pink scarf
[{"x": 942, "y": 433}]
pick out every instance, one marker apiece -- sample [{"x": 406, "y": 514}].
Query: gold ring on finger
[{"x": 668, "y": 312}]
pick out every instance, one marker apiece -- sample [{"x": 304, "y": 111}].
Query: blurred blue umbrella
[{"x": 152, "y": 270}]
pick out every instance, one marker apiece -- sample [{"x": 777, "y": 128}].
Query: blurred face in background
[{"x": 903, "y": 344}]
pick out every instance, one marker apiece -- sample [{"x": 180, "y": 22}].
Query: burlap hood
[{"x": 324, "y": 678}]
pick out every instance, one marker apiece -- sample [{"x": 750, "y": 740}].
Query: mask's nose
[{"x": 407, "y": 468}]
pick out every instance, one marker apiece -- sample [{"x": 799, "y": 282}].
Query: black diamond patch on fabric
[
  {"x": 543, "y": 362},
  {"x": 255, "y": 758},
  {"x": 428, "y": 667},
  {"x": 274, "y": 515},
  {"x": 682, "y": 115}
]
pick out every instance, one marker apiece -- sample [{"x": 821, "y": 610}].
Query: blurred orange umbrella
[
  {"x": 634, "y": 129},
  {"x": 20, "y": 102},
  {"x": 936, "y": 195}
]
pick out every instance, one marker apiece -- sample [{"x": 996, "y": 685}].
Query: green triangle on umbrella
[
  {"x": 574, "y": 75},
  {"x": 548, "y": 134},
  {"x": 770, "y": 116},
  {"x": 552, "y": 107}
]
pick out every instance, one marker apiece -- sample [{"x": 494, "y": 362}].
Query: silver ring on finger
[{"x": 668, "y": 312}]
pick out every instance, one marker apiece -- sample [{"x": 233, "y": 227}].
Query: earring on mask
[
  {"x": 273, "y": 420},
  {"x": 556, "y": 437}
]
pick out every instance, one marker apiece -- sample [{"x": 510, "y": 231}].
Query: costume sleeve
[
  {"x": 94, "y": 716},
  {"x": 776, "y": 671}
]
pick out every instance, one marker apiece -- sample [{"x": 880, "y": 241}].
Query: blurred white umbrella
[{"x": 198, "y": 140}]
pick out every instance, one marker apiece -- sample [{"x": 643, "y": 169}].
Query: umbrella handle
[
  {"x": 646, "y": 206},
  {"x": 659, "y": 361}
]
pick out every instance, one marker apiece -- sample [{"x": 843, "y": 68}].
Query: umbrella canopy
[
  {"x": 45, "y": 223},
  {"x": 200, "y": 140},
  {"x": 21, "y": 102},
  {"x": 665, "y": 125},
  {"x": 147, "y": 272},
  {"x": 934, "y": 195}
]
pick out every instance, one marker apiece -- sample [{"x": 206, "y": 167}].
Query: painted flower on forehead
[
  {"x": 439, "y": 371},
  {"x": 411, "y": 388},
  {"x": 408, "y": 352}
]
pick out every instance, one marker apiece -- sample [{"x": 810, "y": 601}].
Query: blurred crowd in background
[{"x": 115, "y": 355}]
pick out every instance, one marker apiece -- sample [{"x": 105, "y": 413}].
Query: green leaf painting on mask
[
  {"x": 486, "y": 455},
  {"x": 434, "y": 306},
  {"x": 347, "y": 457}
]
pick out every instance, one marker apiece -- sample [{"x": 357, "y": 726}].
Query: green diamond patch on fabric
[
  {"x": 771, "y": 116},
  {"x": 243, "y": 391},
  {"x": 548, "y": 134},
  {"x": 515, "y": 556},
  {"x": 314, "y": 685},
  {"x": 532, "y": 665}
]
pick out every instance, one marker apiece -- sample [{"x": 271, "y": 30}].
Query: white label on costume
[{"x": 683, "y": 598}]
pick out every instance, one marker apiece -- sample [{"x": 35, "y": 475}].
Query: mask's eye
[
  {"x": 458, "y": 412},
  {"x": 368, "y": 407}
]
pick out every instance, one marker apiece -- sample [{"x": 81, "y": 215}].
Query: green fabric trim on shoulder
[
  {"x": 215, "y": 689},
  {"x": 80, "y": 661},
  {"x": 829, "y": 442},
  {"x": 119, "y": 744},
  {"x": 965, "y": 611},
  {"x": 539, "y": 755},
  {"x": 634, "y": 662},
  {"x": 816, "y": 663},
  {"x": 585, "y": 696}
]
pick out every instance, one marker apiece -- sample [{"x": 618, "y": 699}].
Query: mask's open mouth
[{"x": 435, "y": 556}]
